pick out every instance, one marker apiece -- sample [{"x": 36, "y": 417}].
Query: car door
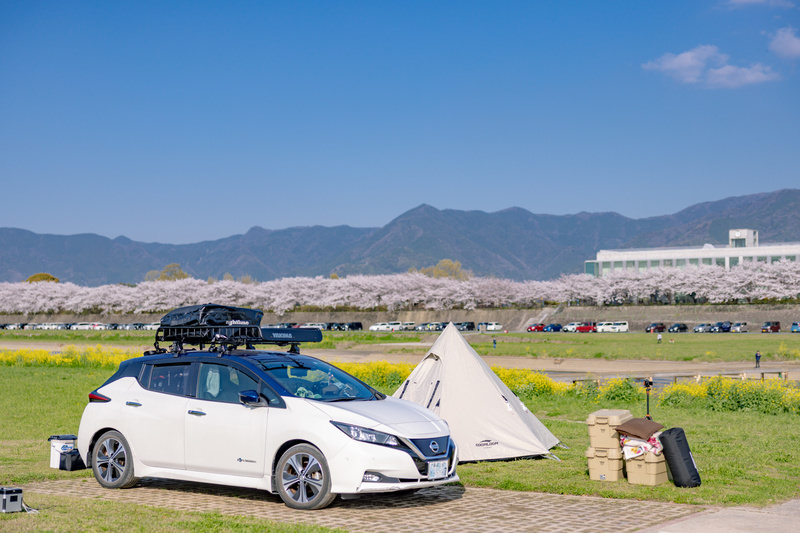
[
  {"x": 222, "y": 435},
  {"x": 154, "y": 414}
]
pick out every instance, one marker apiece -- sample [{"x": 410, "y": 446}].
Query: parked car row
[
  {"x": 660, "y": 327},
  {"x": 435, "y": 326},
  {"x": 575, "y": 327},
  {"x": 79, "y": 326},
  {"x": 395, "y": 325},
  {"x": 327, "y": 326}
]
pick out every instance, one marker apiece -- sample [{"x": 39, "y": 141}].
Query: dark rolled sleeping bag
[{"x": 679, "y": 458}]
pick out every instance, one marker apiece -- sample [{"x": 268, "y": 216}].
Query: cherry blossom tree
[{"x": 748, "y": 282}]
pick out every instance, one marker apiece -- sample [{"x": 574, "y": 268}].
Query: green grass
[
  {"x": 700, "y": 347},
  {"x": 116, "y": 337},
  {"x": 744, "y": 457},
  {"x": 37, "y": 402}
]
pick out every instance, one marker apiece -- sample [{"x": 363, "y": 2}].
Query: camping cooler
[
  {"x": 647, "y": 469},
  {"x": 602, "y": 427},
  {"x": 63, "y": 454},
  {"x": 605, "y": 464}
]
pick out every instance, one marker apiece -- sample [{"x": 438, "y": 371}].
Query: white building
[{"x": 742, "y": 247}]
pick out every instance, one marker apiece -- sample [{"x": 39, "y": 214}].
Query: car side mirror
[{"x": 250, "y": 398}]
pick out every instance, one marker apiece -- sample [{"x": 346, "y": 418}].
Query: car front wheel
[
  {"x": 303, "y": 478},
  {"x": 112, "y": 462}
]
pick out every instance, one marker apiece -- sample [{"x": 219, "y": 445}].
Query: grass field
[
  {"x": 744, "y": 457},
  {"x": 700, "y": 347}
]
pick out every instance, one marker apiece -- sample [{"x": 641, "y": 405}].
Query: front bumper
[{"x": 373, "y": 468}]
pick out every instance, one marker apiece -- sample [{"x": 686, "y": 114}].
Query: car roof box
[{"x": 212, "y": 315}]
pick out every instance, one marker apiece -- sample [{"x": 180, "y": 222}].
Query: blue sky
[{"x": 185, "y": 121}]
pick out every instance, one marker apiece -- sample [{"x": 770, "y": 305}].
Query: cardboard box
[
  {"x": 602, "y": 427},
  {"x": 647, "y": 469},
  {"x": 605, "y": 464}
]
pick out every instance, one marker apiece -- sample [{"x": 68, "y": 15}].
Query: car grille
[
  {"x": 449, "y": 452},
  {"x": 425, "y": 446}
]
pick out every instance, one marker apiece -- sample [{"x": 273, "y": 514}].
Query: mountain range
[{"x": 513, "y": 243}]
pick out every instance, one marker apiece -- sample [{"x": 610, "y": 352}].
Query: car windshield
[{"x": 305, "y": 377}]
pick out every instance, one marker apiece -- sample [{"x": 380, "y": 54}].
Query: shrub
[
  {"x": 70, "y": 356},
  {"x": 589, "y": 390},
  {"x": 725, "y": 394},
  {"x": 620, "y": 389},
  {"x": 379, "y": 374},
  {"x": 682, "y": 394},
  {"x": 529, "y": 383}
]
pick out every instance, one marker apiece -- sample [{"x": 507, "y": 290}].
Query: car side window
[
  {"x": 223, "y": 383},
  {"x": 171, "y": 379}
]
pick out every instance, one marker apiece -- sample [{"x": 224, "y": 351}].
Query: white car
[
  {"x": 379, "y": 326},
  {"x": 494, "y": 326},
  {"x": 314, "y": 325},
  {"x": 572, "y": 327},
  {"x": 152, "y": 326},
  {"x": 612, "y": 327},
  {"x": 278, "y": 421},
  {"x": 395, "y": 326},
  {"x": 739, "y": 327}
]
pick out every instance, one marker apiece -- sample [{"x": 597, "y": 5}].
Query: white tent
[{"x": 486, "y": 419}]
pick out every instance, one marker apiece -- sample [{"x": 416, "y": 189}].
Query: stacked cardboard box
[{"x": 605, "y": 454}]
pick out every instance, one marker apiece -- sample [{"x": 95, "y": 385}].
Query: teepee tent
[{"x": 486, "y": 419}]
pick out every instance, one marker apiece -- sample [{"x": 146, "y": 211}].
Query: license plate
[{"x": 437, "y": 469}]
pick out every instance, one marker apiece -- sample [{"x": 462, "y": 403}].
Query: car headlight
[{"x": 367, "y": 435}]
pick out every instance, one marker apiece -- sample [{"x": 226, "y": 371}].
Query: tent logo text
[{"x": 486, "y": 443}]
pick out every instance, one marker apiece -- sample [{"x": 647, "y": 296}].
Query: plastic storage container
[
  {"x": 602, "y": 427},
  {"x": 605, "y": 464},
  {"x": 647, "y": 469},
  {"x": 60, "y": 444}
]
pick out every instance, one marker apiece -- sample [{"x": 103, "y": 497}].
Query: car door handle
[
  {"x": 196, "y": 413},
  {"x": 133, "y": 404}
]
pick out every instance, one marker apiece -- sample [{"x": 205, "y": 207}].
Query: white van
[{"x": 613, "y": 327}]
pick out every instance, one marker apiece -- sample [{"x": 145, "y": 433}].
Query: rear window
[{"x": 171, "y": 379}]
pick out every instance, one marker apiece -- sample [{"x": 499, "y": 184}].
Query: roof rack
[{"x": 224, "y": 338}]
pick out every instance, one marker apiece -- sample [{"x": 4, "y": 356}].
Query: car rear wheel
[
  {"x": 303, "y": 478},
  {"x": 112, "y": 462}
]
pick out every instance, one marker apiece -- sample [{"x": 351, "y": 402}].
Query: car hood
[{"x": 390, "y": 415}]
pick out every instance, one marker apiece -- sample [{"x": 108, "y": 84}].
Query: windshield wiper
[{"x": 346, "y": 399}]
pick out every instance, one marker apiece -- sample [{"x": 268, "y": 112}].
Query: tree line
[{"x": 747, "y": 283}]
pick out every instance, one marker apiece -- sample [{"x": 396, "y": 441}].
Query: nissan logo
[{"x": 434, "y": 446}]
